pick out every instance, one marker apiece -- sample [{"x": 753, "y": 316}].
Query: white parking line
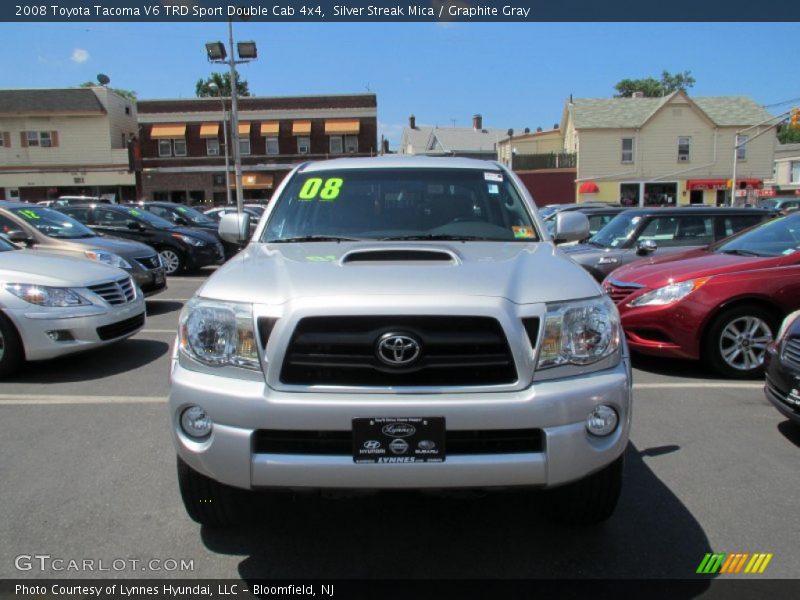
[
  {"x": 25, "y": 399},
  {"x": 167, "y": 299}
]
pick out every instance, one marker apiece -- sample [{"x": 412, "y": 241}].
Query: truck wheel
[
  {"x": 209, "y": 502},
  {"x": 588, "y": 501},
  {"x": 173, "y": 261},
  {"x": 11, "y": 353},
  {"x": 737, "y": 341}
]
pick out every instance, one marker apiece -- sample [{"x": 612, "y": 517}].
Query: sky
[{"x": 515, "y": 74}]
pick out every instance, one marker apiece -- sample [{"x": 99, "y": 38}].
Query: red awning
[
  {"x": 745, "y": 183},
  {"x": 706, "y": 184},
  {"x": 589, "y": 187}
]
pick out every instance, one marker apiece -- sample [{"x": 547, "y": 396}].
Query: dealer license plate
[{"x": 388, "y": 440}]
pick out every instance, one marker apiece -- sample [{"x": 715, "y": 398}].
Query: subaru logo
[
  {"x": 398, "y": 430},
  {"x": 398, "y": 350}
]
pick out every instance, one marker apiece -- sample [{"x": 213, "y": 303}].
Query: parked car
[
  {"x": 722, "y": 303},
  {"x": 77, "y": 200},
  {"x": 51, "y": 305},
  {"x": 182, "y": 215},
  {"x": 783, "y": 204},
  {"x": 49, "y": 230},
  {"x": 782, "y": 364},
  {"x": 599, "y": 217},
  {"x": 180, "y": 248},
  {"x": 255, "y": 213},
  {"x": 551, "y": 209},
  {"x": 401, "y": 310},
  {"x": 640, "y": 232}
]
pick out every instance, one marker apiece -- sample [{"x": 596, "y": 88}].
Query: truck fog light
[
  {"x": 195, "y": 422},
  {"x": 602, "y": 420}
]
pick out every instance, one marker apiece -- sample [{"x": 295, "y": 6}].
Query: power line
[{"x": 781, "y": 103}]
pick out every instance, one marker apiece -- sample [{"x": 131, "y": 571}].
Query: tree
[
  {"x": 129, "y": 94},
  {"x": 654, "y": 88},
  {"x": 788, "y": 135},
  {"x": 223, "y": 81}
]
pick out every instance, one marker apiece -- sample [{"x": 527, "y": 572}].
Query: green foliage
[
  {"x": 788, "y": 135},
  {"x": 129, "y": 94},
  {"x": 654, "y": 88},
  {"x": 223, "y": 82}
]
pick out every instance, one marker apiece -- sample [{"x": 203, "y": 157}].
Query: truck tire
[
  {"x": 588, "y": 501},
  {"x": 737, "y": 341},
  {"x": 209, "y": 502},
  {"x": 12, "y": 354}
]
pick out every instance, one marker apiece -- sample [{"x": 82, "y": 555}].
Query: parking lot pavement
[{"x": 88, "y": 471}]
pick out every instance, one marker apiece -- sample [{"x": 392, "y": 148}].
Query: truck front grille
[
  {"x": 454, "y": 351},
  {"x": 791, "y": 351}
]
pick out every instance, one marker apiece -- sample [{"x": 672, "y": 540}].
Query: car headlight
[
  {"x": 187, "y": 239},
  {"x": 669, "y": 293},
  {"x": 46, "y": 296},
  {"x": 579, "y": 333},
  {"x": 219, "y": 334},
  {"x": 109, "y": 258}
]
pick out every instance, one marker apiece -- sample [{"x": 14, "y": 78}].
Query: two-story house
[
  {"x": 182, "y": 142},
  {"x": 470, "y": 142},
  {"x": 787, "y": 170},
  {"x": 673, "y": 150},
  {"x": 72, "y": 141}
]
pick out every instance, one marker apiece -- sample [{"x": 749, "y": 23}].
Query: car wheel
[
  {"x": 172, "y": 259},
  {"x": 11, "y": 353},
  {"x": 737, "y": 341},
  {"x": 209, "y": 502},
  {"x": 588, "y": 501}
]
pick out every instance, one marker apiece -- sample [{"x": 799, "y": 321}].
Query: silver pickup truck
[{"x": 400, "y": 323}]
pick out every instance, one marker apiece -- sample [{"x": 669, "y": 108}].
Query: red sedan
[{"x": 723, "y": 303}]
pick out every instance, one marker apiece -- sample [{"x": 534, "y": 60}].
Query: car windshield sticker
[
  {"x": 494, "y": 188},
  {"x": 134, "y": 213},
  {"x": 493, "y": 176},
  {"x": 522, "y": 232},
  {"x": 181, "y": 209},
  {"x": 327, "y": 189},
  {"x": 28, "y": 214}
]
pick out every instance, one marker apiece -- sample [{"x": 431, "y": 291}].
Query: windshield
[
  {"x": 780, "y": 237},
  {"x": 147, "y": 217},
  {"x": 617, "y": 232},
  {"x": 768, "y": 203},
  {"x": 400, "y": 204},
  {"x": 53, "y": 223},
  {"x": 193, "y": 215}
]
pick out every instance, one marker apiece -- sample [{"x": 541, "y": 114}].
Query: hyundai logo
[
  {"x": 398, "y": 350},
  {"x": 398, "y": 430},
  {"x": 372, "y": 444}
]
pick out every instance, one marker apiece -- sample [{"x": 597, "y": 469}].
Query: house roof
[
  {"x": 452, "y": 139},
  {"x": 622, "y": 113},
  {"x": 53, "y": 101}
]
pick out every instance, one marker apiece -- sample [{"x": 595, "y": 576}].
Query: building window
[
  {"x": 244, "y": 146},
  {"x": 741, "y": 150},
  {"x": 272, "y": 145},
  {"x": 351, "y": 144},
  {"x": 794, "y": 170},
  {"x": 627, "y": 150},
  {"x": 5, "y": 139},
  {"x": 336, "y": 144},
  {"x": 164, "y": 147},
  {"x": 127, "y": 110},
  {"x": 33, "y": 138},
  {"x": 179, "y": 147},
  {"x": 684, "y": 149},
  {"x": 218, "y": 179},
  {"x": 303, "y": 145},
  {"x": 212, "y": 147}
]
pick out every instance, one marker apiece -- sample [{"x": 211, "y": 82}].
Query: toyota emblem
[{"x": 397, "y": 349}]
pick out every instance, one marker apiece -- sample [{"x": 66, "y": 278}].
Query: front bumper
[
  {"x": 782, "y": 385},
  {"x": 203, "y": 256},
  {"x": 151, "y": 281},
  {"x": 558, "y": 408},
  {"x": 666, "y": 331}
]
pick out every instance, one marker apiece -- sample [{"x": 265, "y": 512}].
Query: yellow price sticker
[{"x": 327, "y": 189}]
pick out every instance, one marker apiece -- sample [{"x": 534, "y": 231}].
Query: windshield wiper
[
  {"x": 739, "y": 252},
  {"x": 313, "y": 238},
  {"x": 438, "y": 236}
]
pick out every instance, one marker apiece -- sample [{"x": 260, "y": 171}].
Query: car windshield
[
  {"x": 255, "y": 210},
  {"x": 780, "y": 237},
  {"x": 617, "y": 232},
  {"x": 193, "y": 215},
  {"x": 547, "y": 211},
  {"x": 768, "y": 203},
  {"x": 53, "y": 223},
  {"x": 400, "y": 204},
  {"x": 147, "y": 217}
]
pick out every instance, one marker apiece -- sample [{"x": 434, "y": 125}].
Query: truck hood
[
  {"x": 45, "y": 268},
  {"x": 659, "y": 271},
  {"x": 521, "y": 273}
]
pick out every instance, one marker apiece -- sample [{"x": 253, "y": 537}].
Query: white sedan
[{"x": 51, "y": 305}]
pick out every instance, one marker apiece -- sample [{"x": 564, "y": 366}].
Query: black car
[
  {"x": 181, "y": 248},
  {"x": 782, "y": 364},
  {"x": 183, "y": 215},
  {"x": 599, "y": 216},
  {"x": 641, "y": 232}
]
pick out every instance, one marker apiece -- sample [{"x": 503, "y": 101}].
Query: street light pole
[
  {"x": 214, "y": 86},
  {"x": 237, "y": 156}
]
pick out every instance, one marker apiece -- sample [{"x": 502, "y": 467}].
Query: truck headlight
[
  {"x": 669, "y": 293},
  {"x": 41, "y": 295},
  {"x": 219, "y": 334},
  {"x": 579, "y": 333},
  {"x": 109, "y": 258}
]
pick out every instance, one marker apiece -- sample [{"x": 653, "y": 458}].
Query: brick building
[{"x": 182, "y": 142}]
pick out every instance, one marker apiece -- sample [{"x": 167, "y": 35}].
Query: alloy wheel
[
  {"x": 743, "y": 343},
  {"x": 172, "y": 261}
]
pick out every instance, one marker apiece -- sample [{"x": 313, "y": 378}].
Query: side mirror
[
  {"x": 135, "y": 226},
  {"x": 570, "y": 226},
  {"x": 235, "y": 228},
  {"x": 646, "y": 247},
  {"x": 178, "y": 220},
  {"x": 19, "y": 237}
]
